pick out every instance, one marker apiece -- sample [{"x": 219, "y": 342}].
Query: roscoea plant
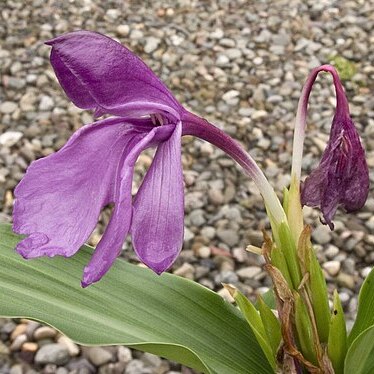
[{"x": 60, "y": 198}]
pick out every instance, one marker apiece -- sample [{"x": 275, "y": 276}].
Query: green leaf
[
  {"x": 271, "y": 324},
  {"x": 337, "y": 342},
  {"x": 269, "y": 299},
  {"x": 304, "y": 329},
  {"x": 166, "y": 315},
  {"x": 288, "y": 247},
  {"x": 365, "y": 314},
  {"x": 320, "y": 301},
  {"x": 254, "y": 320},
  {"x": 360, "y": 355},
  {"x": 279, "y": 261}
]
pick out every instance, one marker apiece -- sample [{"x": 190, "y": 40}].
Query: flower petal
[
  {"x": 110, "y": 245},
  {"x": 342, "y": 177},
  {"x": 158, "y": 214},
  {"x": 59, "y": 200},
  {"x": 98, "y": 73}
]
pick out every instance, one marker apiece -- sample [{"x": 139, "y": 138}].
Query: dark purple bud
[{"x": 342, "y": 177}]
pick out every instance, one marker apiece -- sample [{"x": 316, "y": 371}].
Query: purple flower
[
  {"x": 59, "y": 200},
  {"x": 342, "y": 177}
]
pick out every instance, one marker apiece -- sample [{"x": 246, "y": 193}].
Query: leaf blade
[
  {"x": 130, "y": 306},
  {"x": 365, "y": 315},
  {"x": 360, "y": 355}
]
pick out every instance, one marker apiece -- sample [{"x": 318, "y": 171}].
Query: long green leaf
[
  {"x": 337, "y": 342},
  {"x": 360, "y": 355},
  {"x": 254, "y": 320},
  {"x": 365, "y": 313},
  {"x": 166, "y": 315}
]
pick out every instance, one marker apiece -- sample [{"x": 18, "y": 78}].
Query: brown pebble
[
  {"x": 19, "y": 330},
  {"x": 29, "y": 347},
  {"x": 44, "y": 332}
]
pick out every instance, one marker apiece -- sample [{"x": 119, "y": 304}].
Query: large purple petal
[
  {"x": 157, "y": 226},
  {"x": 111, "y": 243},
  {"x": 59, "y": 200},
  {"x": 98, "y": 73}
]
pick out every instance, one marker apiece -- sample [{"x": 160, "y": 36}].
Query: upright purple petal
[
  {"x": 59, "y": 200},
  {"x": 98, "y": 73},
  {"x": 157, "y": 226},
  {"x": 111, "y": 243}
]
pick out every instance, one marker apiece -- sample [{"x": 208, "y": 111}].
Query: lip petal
[
  {"x": 158, "y": 215},
  {"x": 98, "y": 73}
]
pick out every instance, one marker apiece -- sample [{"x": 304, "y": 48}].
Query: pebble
[
  {"x": 332, "y": 267},
  {"x": 46, "y": 103},
  {"x": 124, "y": 354},
  {"x": 229, "y": 95},
  {"x": 29, "y": 347},
  {"x": 19, "y": 330},
  {"x": 185, "y": 271},
  {"x": 228, "y": 236},
  {"x": 150, "y": 359},
  {"x": 208, "y": 232},
  {"x": 322, "y": 234},
  {"x": 249, "y": 272},
  {"x": 52, "y": 354},
  {"x": 99, "y": 356},
  {"x": 216, "y": 197},
  {"x": 8, "y": 107},
  {"x": 18, "y": 341},
  {"x": 204, "y": 252},
  {"x": 69, "y": 345},
  {"x": 44, "y": 332},
  {"x": 136, "y": 367},
  {"x": 151, "y": 44},
  {"x": 239, "y": 254},
  {"x": 346, "y": 280},
  {"x": 123, "y": 30},
  {"x": 366, "y": 271}
]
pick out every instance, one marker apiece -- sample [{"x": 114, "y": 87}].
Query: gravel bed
[{"x": 241, "y": 64}]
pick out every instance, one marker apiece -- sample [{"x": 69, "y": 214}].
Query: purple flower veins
[{"x": 59, "y": 200}]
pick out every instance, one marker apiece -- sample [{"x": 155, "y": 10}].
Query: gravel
[{"x": 239, "y": 64}]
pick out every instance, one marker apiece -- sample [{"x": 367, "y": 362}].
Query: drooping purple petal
[
  {"x": 157, "y": 226},
  {"x": 98, "y": 73},
  {"x": 342, "y": 177},
  {"x": 59, "y": 200},
  {"x": 110, "y": 244}
]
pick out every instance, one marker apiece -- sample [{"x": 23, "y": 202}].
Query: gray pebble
[
  {"x": 8, "y": 107},
  {"x": 228, "y": 236},
  {"x": 10, "y": 138},
  {"x": 249, "y": 272},
  {"x": 151, "y": 44},
  {"x": 52, "y": 354},
  {"x": 99, "y": 356},
  {"x": 124, "y": 354},
  {"x": 46, "y": 103},
  {"x": 322, "y": 234}
]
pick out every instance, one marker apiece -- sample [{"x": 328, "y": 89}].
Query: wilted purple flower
[
  {"x": 342, "y": 177},
  {"x": 59, "y": 200}
]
